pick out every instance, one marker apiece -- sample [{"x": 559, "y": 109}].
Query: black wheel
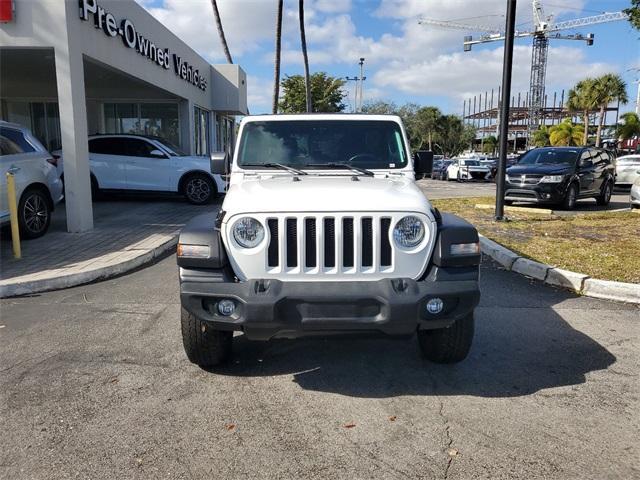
[
  {"x": 605, "y": 195},
  {"x": 199, "y": 189},
  {"x": 34, "y": 213},
  {"x": 508, "y": 202},
  {"x": 203, "y": 345},
  {"x": 569, "y": 200},
  {"x": 448, "y": 345}
]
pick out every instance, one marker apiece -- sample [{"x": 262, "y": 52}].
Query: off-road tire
[
  {"x": 204, "y": 345},
  {"x": 605, "y": 195},
  {"x": 567, "y": 202},
  {"x": 199, "y": 189},
  {"x": 448, "y": 345},
  {"x": 34, "y": 212}
]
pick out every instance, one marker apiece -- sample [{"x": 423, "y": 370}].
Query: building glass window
[
  {"x": 156, "y": 119},
  {"x": 201, "y": 131}
]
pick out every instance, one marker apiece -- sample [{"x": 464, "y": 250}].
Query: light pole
[
  {"x": 359, "y": 86},
  {"x": 504, "y": 112}
]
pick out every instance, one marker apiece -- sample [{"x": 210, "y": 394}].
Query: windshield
[
  {"x": 549, "y": 156},
  {"x": 470, "y": 163},
  {"x": 628, "y": 161},
  {"x": 311, "y": 144}
]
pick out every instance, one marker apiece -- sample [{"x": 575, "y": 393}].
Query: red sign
[{"x": 6, "y": 11}]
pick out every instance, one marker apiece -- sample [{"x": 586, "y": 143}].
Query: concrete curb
[
  {"x": 101, "y": 271},
  {"x": 576, "y": 282}
]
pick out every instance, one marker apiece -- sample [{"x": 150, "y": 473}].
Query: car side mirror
[
  {"x": 219, "y": 163},
  {"x": 423, "y": 162},
  {"x": 157, "y": 153}
]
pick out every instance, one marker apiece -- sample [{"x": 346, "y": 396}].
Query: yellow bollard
[{"x": 13, "y": 215}]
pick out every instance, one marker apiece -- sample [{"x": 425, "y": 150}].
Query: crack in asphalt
[{"x": 449, "y": 441}]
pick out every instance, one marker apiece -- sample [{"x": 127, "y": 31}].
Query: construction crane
[{"x": 544, "y": 29}]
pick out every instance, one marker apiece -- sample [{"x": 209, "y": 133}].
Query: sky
[{"x": 404, "y": 61}]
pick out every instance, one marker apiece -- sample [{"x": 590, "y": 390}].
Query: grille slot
[
  {"x": 385, "y": 246},
  {"x": 292, "y": 242},
  {"x": 272, "y": 253},
  {"x": 310, "y": 242},
  {"x": 367, "y": 242},
  {"x": 329, "y": 243},
  {"x": 347, "y": 242}
]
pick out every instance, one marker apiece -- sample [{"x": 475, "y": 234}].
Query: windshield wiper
[
  {"x": 362, "y": 171},
  {"x": 276, "y": 165}
]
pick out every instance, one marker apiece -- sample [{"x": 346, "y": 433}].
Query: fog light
[
  {"x": 434, "y": 306},
  {"x": 226, "y": 307}
]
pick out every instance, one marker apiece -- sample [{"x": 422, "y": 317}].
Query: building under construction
[{"x": 483, "y": 112}]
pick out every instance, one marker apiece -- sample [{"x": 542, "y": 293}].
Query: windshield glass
[
  {"x": 470, "y": 163},
  {"x": 628, "y": 161},
  {"x": 548, "y": 156},
  {"x": 309, "y": 144},
  {"x": 173, "y": 149}
]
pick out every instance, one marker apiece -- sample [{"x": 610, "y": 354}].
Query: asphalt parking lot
[
  {"x": 443, "y": 189},
  {"x": 94, "y": 383}
]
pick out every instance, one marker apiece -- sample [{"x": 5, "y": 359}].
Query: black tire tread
[
  {"x": 600, "y": 200},
  {"x": 203, "y": 345},
  {"x": 448, "y": 345},
  {"x": 206, "y": 178}
]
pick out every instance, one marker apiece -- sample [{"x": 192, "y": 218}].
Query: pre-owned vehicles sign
[{"x": 106, "y": 22}]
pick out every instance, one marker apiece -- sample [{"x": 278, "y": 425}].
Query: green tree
[
  {"x": 276, "y": 64},
  {"x": 453, "y": 135},
  {"x": 540, "y": 137},
  {"x": 634, "y": 14},
  {"x": 380, "y": 107},
  {"x": 489, "y": 145},
  {"x": 223, "y": 39},
  {"x": 326, "y": 94},
  {"x": 566, "y": 134},
  {"x": 582, "y": 98},
  {"x": 608, "y": 88},
  {"x": 629, "y": 127}
]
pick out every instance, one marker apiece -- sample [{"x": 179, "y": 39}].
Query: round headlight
[
  {"x": 408, "y": 232},
  {"x": 248, "y": 232}
]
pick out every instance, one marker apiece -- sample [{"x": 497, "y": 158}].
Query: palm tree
[
  {"x": 303, "y": 41},
  {"x": 223, "y": 39},
  {"x": 630, "y": 126},
  {"x": 582, "y": 99},
  {"x": 607, "y": 89},
  {"x": 276, "y": 67},
  {"x": 540, "y": 137},
  {"x": 566, "y": 134}
]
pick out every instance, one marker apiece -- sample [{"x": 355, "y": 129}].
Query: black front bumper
[
  {"x": 539, "y": 193},
  {"x": 271, "y": 308}
]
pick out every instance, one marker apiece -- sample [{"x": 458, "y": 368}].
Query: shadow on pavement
[{"x": 521, "y": 346}]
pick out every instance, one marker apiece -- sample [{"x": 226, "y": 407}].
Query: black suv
[{"x": 561, "y": 175}]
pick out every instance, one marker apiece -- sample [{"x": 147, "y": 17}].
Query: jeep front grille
[{"x": 333, "y": 240}]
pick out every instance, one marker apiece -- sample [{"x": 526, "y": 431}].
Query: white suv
[
  {"x": 38, "y": 188},
  {"x": 323, "y": 230},
  {"x": 151, "y": 164}
]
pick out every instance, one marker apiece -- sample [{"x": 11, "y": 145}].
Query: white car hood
[{"x": 330, "y": 193}]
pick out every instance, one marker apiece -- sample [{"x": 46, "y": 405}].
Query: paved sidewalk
[{"x": 128, "y": 233}]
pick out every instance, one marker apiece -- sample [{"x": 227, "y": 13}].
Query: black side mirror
[
  {"x": 219, "y": 163},
  {"x": 423, "y": 162}
]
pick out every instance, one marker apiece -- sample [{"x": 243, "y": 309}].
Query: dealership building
[{"x": 74, "y": 68}]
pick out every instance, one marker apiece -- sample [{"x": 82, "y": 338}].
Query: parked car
[
  {"x": 627, "y": 170},
  {"x": 561, "y": 176},
  {"x": 464, "y": 169},
  {"x": 634, "y": 196},
  {"x": 38, "y": 187},
  {"x": 441, "y": 172},
  {"x": 286, "y": 257},
  {"x": 149, "y": 164}
]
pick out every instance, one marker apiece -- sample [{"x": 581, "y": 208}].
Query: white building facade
[{"x": 74, "y": 68}]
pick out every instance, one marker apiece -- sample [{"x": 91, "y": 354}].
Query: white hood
[{"x": 330, "y": 193}]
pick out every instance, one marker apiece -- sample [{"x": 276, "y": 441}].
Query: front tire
[
  {"x": 34, "y": 213},
  {"x": 203, "y": 345},
  {"x": 605, "y": 195},
  {"x": 448, "y": 345},
  {"x": 569, "y": 200},
  {"x": 199, "y": 189}
]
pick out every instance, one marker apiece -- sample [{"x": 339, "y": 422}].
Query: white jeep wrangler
[{"x": 323, "y": 230}]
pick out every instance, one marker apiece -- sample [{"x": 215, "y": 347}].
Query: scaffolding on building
[{"x": 483, "y": 113}]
